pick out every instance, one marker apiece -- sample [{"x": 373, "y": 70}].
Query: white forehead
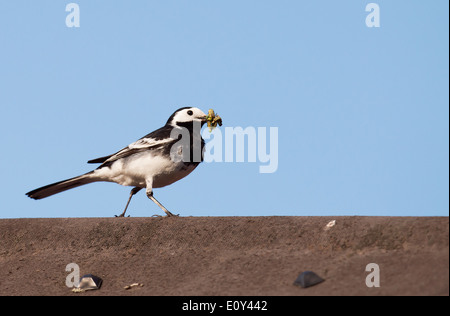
[{"x": 185, "y": 115}]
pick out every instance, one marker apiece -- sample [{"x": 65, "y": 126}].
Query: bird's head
[{"x": 187, "y": 115}]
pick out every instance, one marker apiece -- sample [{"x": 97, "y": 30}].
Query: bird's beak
[{"x": 203, "y": 118}]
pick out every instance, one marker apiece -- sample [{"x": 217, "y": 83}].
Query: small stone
[
  {"x": 330, "y": 225},
  {"x": 88, "y": 282},
  {"x": 307, "y": 279},
  {"x": 127, "y": 287}
]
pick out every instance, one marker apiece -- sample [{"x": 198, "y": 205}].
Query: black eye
[{"x": 190, "y": 112}]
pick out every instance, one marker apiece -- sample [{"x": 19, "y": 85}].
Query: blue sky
[{"x": 362, "y": 113}]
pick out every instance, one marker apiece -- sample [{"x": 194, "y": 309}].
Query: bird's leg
[
  {"x": 133, "y": 192},
  {"x": 151, "y": 197},
  {"x": 149, "y": 189}
]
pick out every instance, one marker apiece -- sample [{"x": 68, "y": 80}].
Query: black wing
[{"x": 154, "y": 141}]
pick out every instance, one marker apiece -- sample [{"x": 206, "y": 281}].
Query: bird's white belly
[{"x": 141, "y": 168}]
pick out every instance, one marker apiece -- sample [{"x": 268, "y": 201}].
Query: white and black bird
[{"x": 154, "y": 161}]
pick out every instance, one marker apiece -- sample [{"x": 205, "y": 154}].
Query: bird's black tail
[{"x": 61, "y": 186}]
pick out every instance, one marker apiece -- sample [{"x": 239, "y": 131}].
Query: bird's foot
[
  {"x": 121, "y": 215},
  {"x": 168, "y": 214},
  {"x": 172, "y": 215}
]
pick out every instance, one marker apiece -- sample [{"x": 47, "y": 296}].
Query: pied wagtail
[{"x": 154, "y": 161}]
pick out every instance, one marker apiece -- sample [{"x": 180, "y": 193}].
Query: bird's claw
[
  {"x": 121, "y": 215},
  {"x": 167, "y": 215}
]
